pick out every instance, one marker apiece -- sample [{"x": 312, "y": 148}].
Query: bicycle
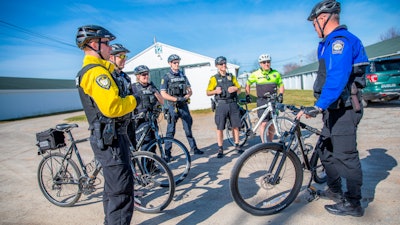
[
  {"x": 63, "y": 181},
  {"x": 277, "y": 124},
  {"x": 178, "y": 157},
  {"x": 268, "y": 176}
]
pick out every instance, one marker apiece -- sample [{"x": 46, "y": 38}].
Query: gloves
[
  {"x": 180, "y": 99},
  {"x": 280, "y": 98},
  {"x": 311, "y": 111},
  {"x": 248, "y": 99}
]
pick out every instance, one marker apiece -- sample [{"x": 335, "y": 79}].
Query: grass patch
[
  {"x": 79, "y": 118},
  {"x": 291, "y": 97}
]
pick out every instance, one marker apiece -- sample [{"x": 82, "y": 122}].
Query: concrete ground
[{"x": 204, "y": 196}]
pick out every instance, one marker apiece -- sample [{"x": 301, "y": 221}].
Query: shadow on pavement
[{"x": 375, "y": 168}]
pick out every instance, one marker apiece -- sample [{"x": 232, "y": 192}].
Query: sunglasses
[
  {"x": 105, "y": 42},
  {"x": 144, "y": 74},
  {"x": 122, "y": 56},
  {"x": 265, "y": 62},
  {"x": 223, "y": 63},
  {"x": 175, "y": 63}
]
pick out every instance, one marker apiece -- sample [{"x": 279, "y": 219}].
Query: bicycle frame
[
  {"x": 269, "y": 107},
  {"x": 153, "y": 127},
  {"x": 73, "y": 148},
  {"x": 294, "y": 133}
]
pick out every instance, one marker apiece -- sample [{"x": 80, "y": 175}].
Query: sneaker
[
  {"x": 220, "y": 153},
  {"x": 238, "y": 149},
  {"x": 329, "y": 194},
  {"x": 345, "y": 208},
  {"x": 198, "y": 152}
]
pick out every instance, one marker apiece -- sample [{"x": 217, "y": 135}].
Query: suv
[{"x": 383, "y": 80}]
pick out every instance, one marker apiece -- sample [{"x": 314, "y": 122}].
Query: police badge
[{"x": 103, "y": 81}]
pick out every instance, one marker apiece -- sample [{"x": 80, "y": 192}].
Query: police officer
[
  {"x": 108, "y": 114},
  {"x": 342, "y": 59},
  {"x": 267, "y": 80},
  {"x": 118, "y": 57},
  {"x": 175, "y": 88},
  {"x": 148, "y": 97},
  {"x": 225, "y": 88}
]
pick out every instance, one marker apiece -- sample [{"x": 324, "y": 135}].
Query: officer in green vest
[{"x": 267, "y": 80}]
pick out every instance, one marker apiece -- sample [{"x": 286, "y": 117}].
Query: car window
[{"x": 381, "y": 66}]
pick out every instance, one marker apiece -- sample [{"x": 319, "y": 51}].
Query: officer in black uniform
[
  {"x": 342, "y": 62},
  {"x": 225, "y": 88},
  {"x": 148, "y": 97},
  {"x": 108, "y": 111},
  {"x": 119, "y": 57},
  {"x": 175, "y": 88}
]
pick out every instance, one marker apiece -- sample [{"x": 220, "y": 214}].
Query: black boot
[{"x": 345, "y": 208}]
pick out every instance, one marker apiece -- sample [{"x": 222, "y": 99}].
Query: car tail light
[{"x": 372, "y": 78}]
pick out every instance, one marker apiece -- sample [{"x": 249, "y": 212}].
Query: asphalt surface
[{"x": 204, "y": 196}]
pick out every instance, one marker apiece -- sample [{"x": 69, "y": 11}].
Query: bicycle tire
[
  {"x": 284, "y": 124},
  {"x": 154, "y": 186},
  {"x": 243, "y": 132},
  {"x": 249, "y": 187},
  {"x": 319, "y": 175},
  {"x": 59, "y": 180},
  {"x": 179, "y": 161}
]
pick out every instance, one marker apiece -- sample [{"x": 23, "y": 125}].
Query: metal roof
[
  {"x": 13, "y": 83},
  {"x": 385, "y": 48}
]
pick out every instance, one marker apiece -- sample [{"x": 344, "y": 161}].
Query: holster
[
  {"x": 109, "y": 132},
  {"x": 355, "y": 102},
  {"x": 98, "y": 134},
  {"x": 213, "y": 105},
  {"x": 104, "y": 131}
]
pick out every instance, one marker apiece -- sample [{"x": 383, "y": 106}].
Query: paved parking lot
[{"x": 203, "y": 197}]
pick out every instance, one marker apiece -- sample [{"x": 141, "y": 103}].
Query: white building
[{"x": 197, "y": 68}]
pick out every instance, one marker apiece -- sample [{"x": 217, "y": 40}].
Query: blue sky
[{"x": 37, "y": 38}]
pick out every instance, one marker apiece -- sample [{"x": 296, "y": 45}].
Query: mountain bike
[
  {"x": 177, "y": 157},
  {"x": 277, "y": 124},
  {"x": 63, "y": 181},
  {"x": 268, "y": 176}
]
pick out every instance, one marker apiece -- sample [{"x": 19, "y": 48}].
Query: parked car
[{"x": 383, "y": 80}]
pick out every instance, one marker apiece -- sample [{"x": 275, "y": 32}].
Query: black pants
[
  {"x": 338, "y": 152},
  {"x": 118, "y": 180}
]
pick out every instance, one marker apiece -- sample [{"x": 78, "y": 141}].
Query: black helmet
[
  {"x": 173, "y": 57},
  {"x": 88, "y": 32},
  {"x": 219, "y": 60},
  {"x": 327, "y": 6},
  {"x": 141, "y": 69},
  {"x": 118, "y": 48}
]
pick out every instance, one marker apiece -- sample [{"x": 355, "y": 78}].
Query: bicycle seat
[{"x": 65, "y": 126}]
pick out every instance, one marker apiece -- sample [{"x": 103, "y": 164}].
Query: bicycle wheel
[
  {"x": 154, "y": 185},
  {"x": 243, "y": 132},
  {"x": 319, "y": 175},
  {"x": 251, "y": 182},
  {"x": 59, "y": 179},
  {"x": 179, "y": 159},
  {"x": 283, "y": 124}
]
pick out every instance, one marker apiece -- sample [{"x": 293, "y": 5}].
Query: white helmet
[{"x": 264, "y": 57}]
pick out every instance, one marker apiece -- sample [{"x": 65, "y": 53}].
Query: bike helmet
[
  {"x": 173, "y": 57},
  {"x": 89, "y": 32},
  {"x": 141, "y": 69},
  {"x": 264, "y": 57},
  {"x": 220, "y": 59},
  {"x": 118, "y": 48},
  {"x": 327, "y": 6}
]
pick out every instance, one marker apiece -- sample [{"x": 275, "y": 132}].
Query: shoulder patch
[
  {"x": 103, "y": 81},
  {"x": 162, "y": 81},
  {"x": 337, "y": 47}
]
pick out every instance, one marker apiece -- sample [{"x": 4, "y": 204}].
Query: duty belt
[
  {"x": 122, "y": 127},
  {"x": 225, "y": 100}
]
